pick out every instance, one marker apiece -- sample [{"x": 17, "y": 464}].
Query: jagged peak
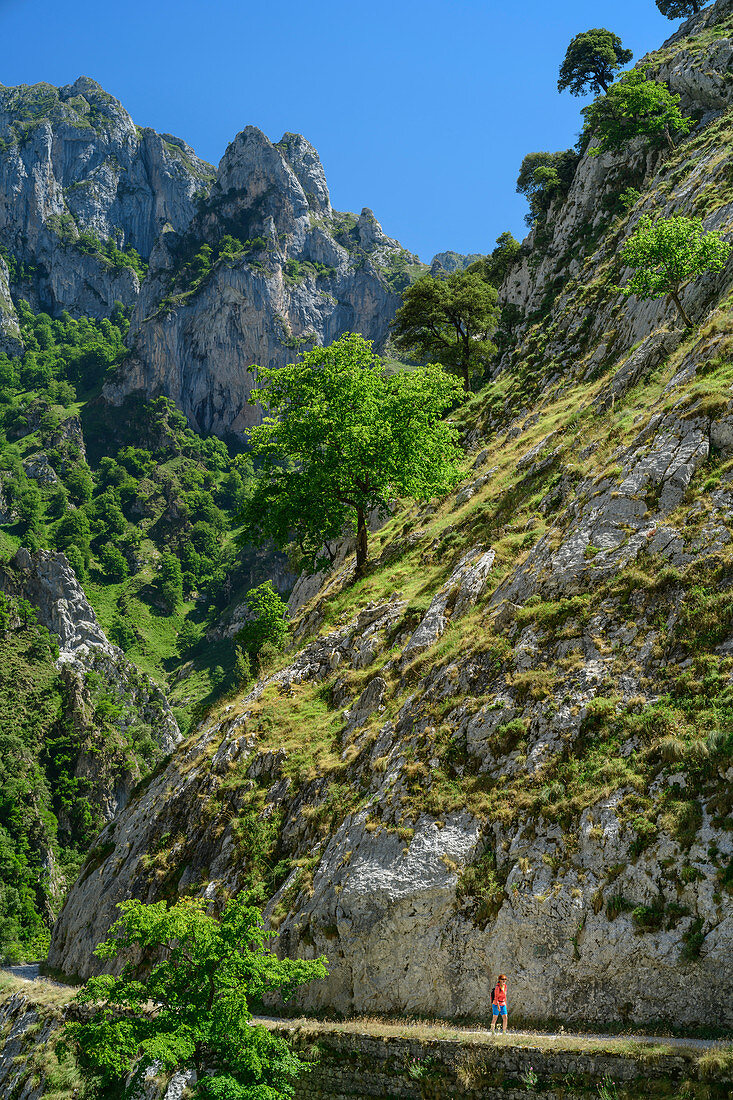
[{"x": 303, "y": 158}]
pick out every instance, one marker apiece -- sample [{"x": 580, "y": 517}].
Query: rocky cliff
[
  {"x": 81, "y": 185},
  {"x": 265, "y": 270},
  {"x": 509, "y": 747},
  {"x": 248, "y": 264},
  {"x": 48, "y": 582},
  {"x": 113, "y": 723}
]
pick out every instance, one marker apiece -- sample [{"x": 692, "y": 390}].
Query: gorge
[{"x": 509, "y": 744}]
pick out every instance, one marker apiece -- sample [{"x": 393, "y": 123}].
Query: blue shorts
[{"x": 499, "y": 1010}]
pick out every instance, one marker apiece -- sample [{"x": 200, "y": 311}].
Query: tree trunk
[
  {"x": 362, "y": 549},
  {"x": 603, "y": 83},
  {"x": 668, "y": 136},
  {"x": 466, "y": 362},
  {"x": 674, "y": 295}
]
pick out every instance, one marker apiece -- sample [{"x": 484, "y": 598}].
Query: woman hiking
[{"x": 498, "y": 1003}]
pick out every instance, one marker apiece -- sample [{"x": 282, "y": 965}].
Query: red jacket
[{"x": 499, "y": 995}]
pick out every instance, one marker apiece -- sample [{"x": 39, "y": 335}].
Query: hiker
[{"x": 498, "y": 1003}]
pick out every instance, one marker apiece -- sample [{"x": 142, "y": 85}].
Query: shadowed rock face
[
  {"x": 73, "y": 161},
  {"x": 303, "y": 276},
  {"x": 11, "y": 342}
]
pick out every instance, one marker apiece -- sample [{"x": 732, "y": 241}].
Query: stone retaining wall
[{"x": 357, "y": 1067}]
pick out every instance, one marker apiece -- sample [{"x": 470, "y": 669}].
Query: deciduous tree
[
  {"x": 342, "y": 438},
  {"x": 192, "y": 1010},
  {"x": 268, "y": 625},
  {"x": 592, "y": 61},
  {"x": 667, "y": 254},
  {"x": 451, "y": 319},
  {"x": 634, "y": 107},
  {"x": 544, "y": 176}
]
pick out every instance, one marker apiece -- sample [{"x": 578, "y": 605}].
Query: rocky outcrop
[
  {"x": 569, "y": 256},
  {"x": 89, "y": 663},
  {"x": 76, "y": 173},
  {"x": 449, "y": 262},
  {"x": 81, "y": 185},
  {"x": 298, "y": 275},
  {"x": 11, "y": 341}
]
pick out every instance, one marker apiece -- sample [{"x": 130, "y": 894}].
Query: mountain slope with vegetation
[
  {"x": 127, "y": 499},
  {"x": 508, "y": 745}
]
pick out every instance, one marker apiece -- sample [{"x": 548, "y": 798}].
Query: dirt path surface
[
  {"x": 30, "y": 972},
  {"x": 392, "y": 1027}
]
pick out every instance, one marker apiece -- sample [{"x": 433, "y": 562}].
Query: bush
[
  {"x": 188, "y": 636},
  {"x": 76, "y": 561}
]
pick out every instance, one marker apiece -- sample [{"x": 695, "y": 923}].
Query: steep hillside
[
  {"x": 127, "y": 499},
  {"x": 79, "y": 726},
  {"x": 509, "y": 746},
  {"x": 266, "y": 269}
]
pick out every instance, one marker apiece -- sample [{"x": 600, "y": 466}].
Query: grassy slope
[{"x": 414, "y": 554}]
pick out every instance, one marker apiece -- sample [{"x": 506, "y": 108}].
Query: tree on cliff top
[
  {"x": 665, "y": 255},
  {"x": 342, "y": 439},
  {"x": 591, "y": 62},
  {"x": 451, "y": 319},
  {"x": 634, "y": 107},
  {"x": 192, "y": 1010},
  {"x": 679, "y": 9}
]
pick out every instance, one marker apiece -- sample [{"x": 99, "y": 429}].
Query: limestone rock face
[
  {"x": 72, "y": 162},
  {"x": 452, "y": 261},
  {"x": 299, "y": 275},
  {"x": 48, "y": 582},
  {"x": 560, "y": 263},
  {"x": 11, "y": 341}
]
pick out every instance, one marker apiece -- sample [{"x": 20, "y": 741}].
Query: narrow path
[
  {"x": 484, "y": 1034},
  {"x": 30, "y": 972}
]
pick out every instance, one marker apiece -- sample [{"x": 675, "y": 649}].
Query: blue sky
[{"x": 420, "y": 110}]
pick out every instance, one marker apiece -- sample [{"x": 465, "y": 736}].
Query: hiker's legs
[{"x": 494, "y": 1017}]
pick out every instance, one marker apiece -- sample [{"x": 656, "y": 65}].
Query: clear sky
[{"x": 420, "y": 110}]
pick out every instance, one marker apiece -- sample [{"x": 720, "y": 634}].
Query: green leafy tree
[
  {"x": 171, "y": 580},
  {"x": 634, "y": 107},
  {"x": 544, "y": 177},
  {"x": 268, "y": 624},
  {"x": 342, "y": 439},
  {"x": 73, "y": 529},
  {"x": 495, "y": 267},
  {"x": 451, "y": 319},
  {"x": 592, "y": 61},
  {"x": 667, "y": 254},
  {"x": 192, "y": 1010},
  {"x": 114, "y": 563},
  {"x": 679, "y": 9},
  {"x": 76, "y": 561},
  {"x": 80, "y": 483}
]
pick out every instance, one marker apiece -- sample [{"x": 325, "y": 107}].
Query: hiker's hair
[{"x": 501, "y": 978}]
